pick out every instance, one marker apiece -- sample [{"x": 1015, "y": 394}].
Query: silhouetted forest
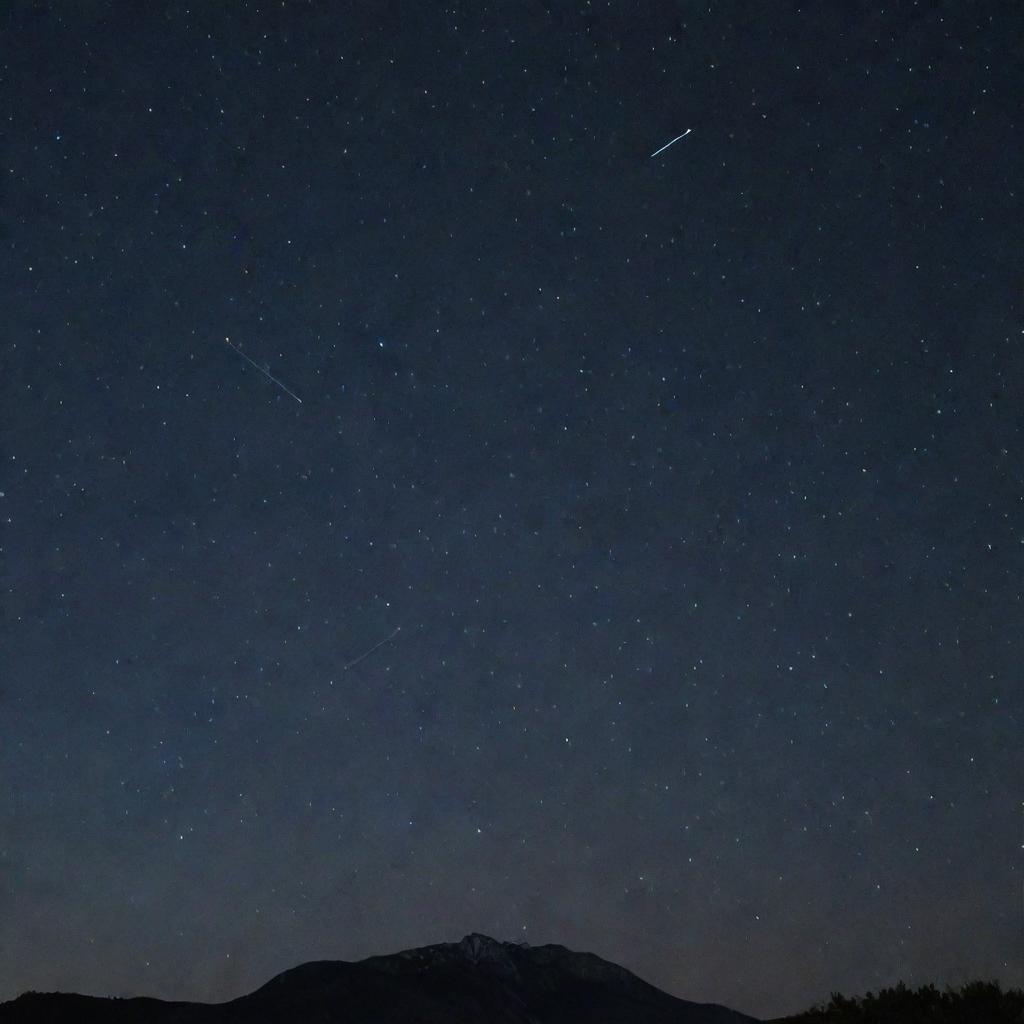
[{"x": 977, "y": 1002}]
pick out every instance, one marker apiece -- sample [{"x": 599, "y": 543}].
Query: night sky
[{"x": 604, "y": 549}]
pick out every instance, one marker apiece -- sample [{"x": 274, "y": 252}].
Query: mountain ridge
[{"x": 476, "y": 980}]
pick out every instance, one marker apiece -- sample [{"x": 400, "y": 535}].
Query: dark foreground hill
[{"x": 476, "y": 981}]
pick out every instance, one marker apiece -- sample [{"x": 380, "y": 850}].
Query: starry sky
[{"x": 425, "y": 511}]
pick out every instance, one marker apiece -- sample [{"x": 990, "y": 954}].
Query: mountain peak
[
  {"x": 476, "y": 947},
  {"x": 477, "y": 980}
]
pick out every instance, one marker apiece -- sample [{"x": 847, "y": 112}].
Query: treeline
[{"x": 977, "y": 1002}]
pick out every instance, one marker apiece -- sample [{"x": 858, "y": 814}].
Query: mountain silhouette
[{"x": 476, "y": 981}]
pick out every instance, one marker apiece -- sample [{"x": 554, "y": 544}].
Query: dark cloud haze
[{"x": 685, "y": 493}]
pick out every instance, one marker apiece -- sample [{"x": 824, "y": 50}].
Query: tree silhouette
[{"x": 977, "y": 1002}]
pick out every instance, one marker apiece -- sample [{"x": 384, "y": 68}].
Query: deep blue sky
[{"x": 685, "y": 492}]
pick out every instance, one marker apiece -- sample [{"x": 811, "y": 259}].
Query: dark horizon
[
  {"x": 548, "y": 470},
  {"x": 481, "y": 978},
  {"x": 475, "y": 980}
]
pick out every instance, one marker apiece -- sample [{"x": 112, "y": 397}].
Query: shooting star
[
  {"x": 676, "y": 139},
  {"x": 265, "y": 373},
  {"x": 355, "y": 661}
]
